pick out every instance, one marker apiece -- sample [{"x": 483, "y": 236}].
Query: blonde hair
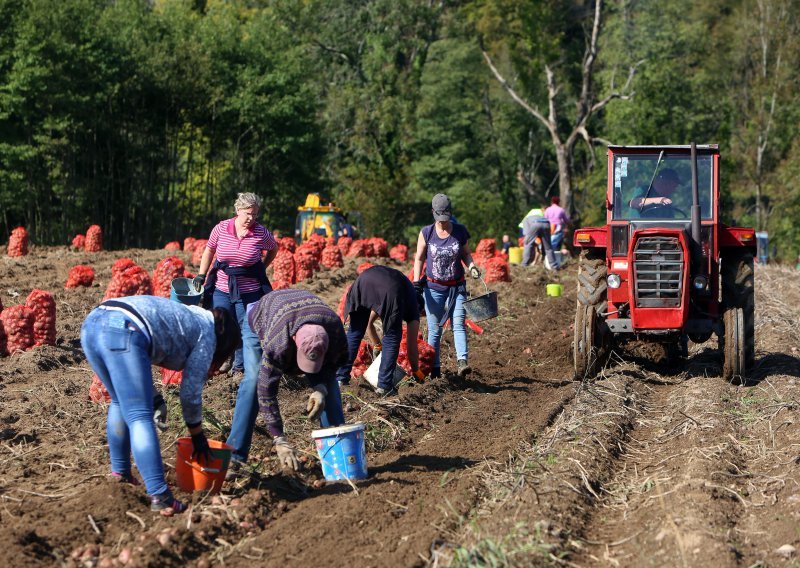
[{"x": 247, "y": 200}]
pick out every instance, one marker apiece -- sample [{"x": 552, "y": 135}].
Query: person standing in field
[
  {"x": 558, "y": 219},
  {"x": 237, "y": 279},
  {"x": 122, "y": 338},
  {"x": 385, "y": 293},
  {"x": 443, "y": 248},
  {"x": 295, "y": 333}
]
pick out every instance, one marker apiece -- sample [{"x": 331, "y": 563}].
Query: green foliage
[{"x": 149, "y": 117}]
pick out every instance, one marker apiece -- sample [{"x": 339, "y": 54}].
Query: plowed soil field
[{"x": 652, "y": 463}]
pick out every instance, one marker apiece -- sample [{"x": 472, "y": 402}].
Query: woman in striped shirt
[{"x": 238, "y": 278}]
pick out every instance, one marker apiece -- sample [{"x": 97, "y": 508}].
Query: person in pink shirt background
[
  {"x": 238, "y": 278},
  {"x": 558, "y": 219}
]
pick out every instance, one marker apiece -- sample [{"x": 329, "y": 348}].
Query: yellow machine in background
[{"x": 326, "y": 220}]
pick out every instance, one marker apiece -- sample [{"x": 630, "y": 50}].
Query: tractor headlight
[
  {"x": 700, "y": 282},
  {"x": 613, "y": 280}
]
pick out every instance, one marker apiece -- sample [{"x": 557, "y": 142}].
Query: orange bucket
[{"x": 192, "y": 476}]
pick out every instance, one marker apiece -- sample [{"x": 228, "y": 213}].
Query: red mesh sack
[
  {"x": 497, "y": 270},
  {"x": 80, "y": 275},
  {"x": 94, "y": 239},
  {"x": 344, "y": 244},
  {"x": 17, "y": 321},
  {"x": 363, "y": 360},
  {"x": 287, "y": 243},
  {"x": 169, "y": 377},
  {"x": 167, "y": 269},
  {"x": 18, "y": 242},
  {"x": 43, "y": 306},
  {"x": 121, "y": 265},
  {"x": 199, "y": 249},
  {"x": 306, "y": 262},
  {"x": 79, "y": 242},
  {"x": 173, "y": 246},
  {"x": 364, "y": 266},
  {"x": 399, "y": 252},
  {"x": 280, "y": 284},
  {"x": 188, "y": 244},
  {"x": 379, "y": 247},
  {"x": 283, "y": 267},
  {"x": 97, "y": 391},
  {"x": 427, "y": 354},
  {"x": 132, "y": 281},
  {"x": 520, "y": 241},
  {"x": 342, "y": 302},
  {"x": 332, "y": 257},
  {"x": 316, "y": 241},
  {"x": 358, "y": 249}
]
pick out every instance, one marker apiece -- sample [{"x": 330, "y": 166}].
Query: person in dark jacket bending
[
  {"x": 295, "y": 333},
  {"x": 385, "y": 293}
]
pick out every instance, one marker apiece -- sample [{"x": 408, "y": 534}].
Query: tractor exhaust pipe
[{"x": 695, "y": 206}]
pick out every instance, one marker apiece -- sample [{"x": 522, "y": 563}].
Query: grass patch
[{"x": 520, "y": 547}]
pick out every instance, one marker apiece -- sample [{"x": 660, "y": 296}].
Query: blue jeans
[
  {"x": 435, "y": 305},
  {"x": 391, "y": 349},
  {"x": 333, "y": 415},
  {"x": 237, "y": 309},
  {"x": 120, "y": 355},
  {"x": 246, "y": 410}
]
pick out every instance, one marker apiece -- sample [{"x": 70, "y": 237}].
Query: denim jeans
[
  {"x": 435, "y": 305},
  {"x": 246, "y": 410},
  {"x": 391, "y": 349},
  {"x": 120, "y": 355},
  {"x": 333, "y": 415},
  {"x": 237, "y": 309}
]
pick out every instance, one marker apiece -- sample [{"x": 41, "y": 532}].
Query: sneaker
[
  {"x": 463, "y": 368},
  {"x": 436, "y": 372},
  {"x": 226, "y": 366},
  {"x": 343, "y": 382},
  {"x": 384, "y": 392},
  {"x": 124, "y": 478},
  {"x": 166, "y": 503}
]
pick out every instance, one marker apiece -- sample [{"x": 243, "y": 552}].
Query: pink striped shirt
[{"x": 239, "y": 252}]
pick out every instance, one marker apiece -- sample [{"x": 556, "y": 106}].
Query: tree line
[{"x": 147, "y": 117}]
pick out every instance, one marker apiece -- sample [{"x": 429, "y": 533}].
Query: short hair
[
  {"x": 246, "y": 201},
  {"x": 555, "y": 200}
]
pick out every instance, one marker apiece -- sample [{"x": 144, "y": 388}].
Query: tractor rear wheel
[
  {"x": 591, "y": 333},
  {"x": 737, "y": 342}
]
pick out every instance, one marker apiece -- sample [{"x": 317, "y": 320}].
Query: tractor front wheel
[
  {"x": 591, "y": 333},
  {"x": 737, "y": 341}
]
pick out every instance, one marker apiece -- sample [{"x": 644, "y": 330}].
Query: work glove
[
  {"x": 286, "y": 454},
  {"x": 200, "y": 447},
  {"x": 376, "y": 350},
  {"x": 198, "y": 282},
  {"x": 474, "y": 271},
  {"x": 316, "y": 402},
  {"x": 419, "y": 286},
  {"x": 160, "y": 412}
]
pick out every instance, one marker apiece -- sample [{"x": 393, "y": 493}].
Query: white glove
[
  {"x": 286, "y": 454},
  {"x": 316, "y": 402},
  {"x": 474, "y": 271}
]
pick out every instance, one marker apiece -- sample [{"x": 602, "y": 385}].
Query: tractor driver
[{"x": 660, "y": 196}]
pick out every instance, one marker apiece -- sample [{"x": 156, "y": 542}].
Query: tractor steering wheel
[{"x": 662, "y": 211}]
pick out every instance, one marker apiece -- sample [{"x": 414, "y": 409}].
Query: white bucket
[{"x": 371, "y": 374}]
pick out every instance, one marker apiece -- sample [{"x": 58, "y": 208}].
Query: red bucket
[{"x": 194, "y": 476}]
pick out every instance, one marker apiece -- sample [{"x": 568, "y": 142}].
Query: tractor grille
[{"x": 658, "y": 269}]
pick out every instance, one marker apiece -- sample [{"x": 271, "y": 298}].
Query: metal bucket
[{"x": 483, "y": 307}]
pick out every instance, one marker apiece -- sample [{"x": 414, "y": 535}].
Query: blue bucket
[
  {"x": 182, "y": 290},
  {"x": 342, "y": 452}
]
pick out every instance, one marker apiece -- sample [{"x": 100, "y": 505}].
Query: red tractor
[{"x": 664, "y": 268}]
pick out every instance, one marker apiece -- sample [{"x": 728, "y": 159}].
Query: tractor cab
[
  {"x": 664, "y": 268},
  {"x": 324, "y": 220}
]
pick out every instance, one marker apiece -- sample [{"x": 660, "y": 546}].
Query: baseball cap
[
  {"x": 312, "y": 344},
  {"x": 668, "y": 174},
  {"x": 442, "y": 208}
]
